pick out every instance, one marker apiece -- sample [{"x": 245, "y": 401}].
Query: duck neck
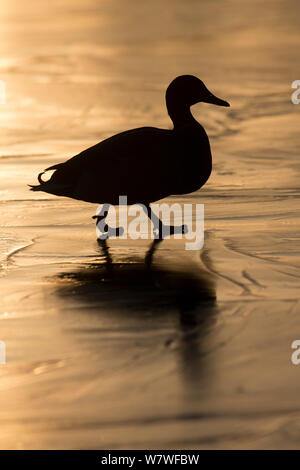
[{"x": 180, "y": 114}]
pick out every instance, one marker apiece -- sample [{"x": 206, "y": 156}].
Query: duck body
[{"x": 145, "y": 164}]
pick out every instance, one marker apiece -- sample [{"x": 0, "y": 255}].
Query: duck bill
[{"x": 214, "y": 100}]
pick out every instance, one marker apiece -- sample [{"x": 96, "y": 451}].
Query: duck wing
[{"x": 139, "y": 163}]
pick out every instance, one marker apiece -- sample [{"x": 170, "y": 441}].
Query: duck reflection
[{"x": 179, "y": 299}]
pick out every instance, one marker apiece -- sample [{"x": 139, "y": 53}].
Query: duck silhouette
[{"x": 145, "y": 164}]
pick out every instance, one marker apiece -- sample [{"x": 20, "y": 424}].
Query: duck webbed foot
[
  {"x": 104, "y": 231},
  {"x": 160, "y": 230}
]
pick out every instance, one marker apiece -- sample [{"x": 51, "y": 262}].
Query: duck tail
[
  {"x": 51, "y": 186},
  {"x": 38, "y": 187},
  {"x": 34, "y": 187},
  {"x": 57, "y": 189}
]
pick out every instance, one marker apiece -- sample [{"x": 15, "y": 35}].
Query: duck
[{"x": 147, "y": 163}]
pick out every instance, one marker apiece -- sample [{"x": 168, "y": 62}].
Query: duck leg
[
  {"x": 160, "y": 230},
  {"x": 105, "y": 230}
]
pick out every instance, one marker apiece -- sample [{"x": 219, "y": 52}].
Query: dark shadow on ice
[{"x": 132, "y": 292}]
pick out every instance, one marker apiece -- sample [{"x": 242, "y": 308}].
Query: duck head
[
  {"x": 189, "y": 90},
  {"x": 185, "y": 91}
]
